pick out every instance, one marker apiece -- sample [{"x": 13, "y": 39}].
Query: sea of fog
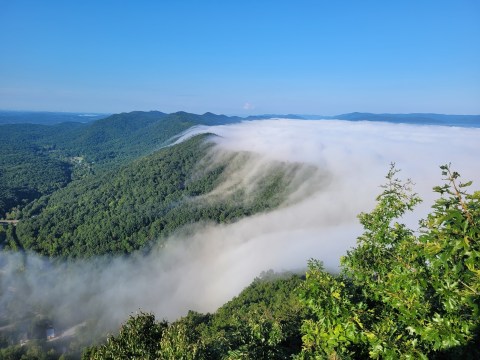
[{"x": 319, "y": 220}]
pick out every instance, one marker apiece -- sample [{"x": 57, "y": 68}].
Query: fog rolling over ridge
[{"x": 203, "y": 266}]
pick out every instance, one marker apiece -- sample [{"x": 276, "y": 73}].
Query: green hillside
[
  {"x": 123, "y": 210},
  {"x": 30, "y": 165}
]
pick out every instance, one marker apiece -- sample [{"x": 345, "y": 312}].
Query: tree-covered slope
[
  {"x": 121, "y": 137},
  {"x": 123, "y": 210},
  {"x": 26, "y": 176},
  {"x": 29, "y": 165},
  {"x": 126, "y": 136}
]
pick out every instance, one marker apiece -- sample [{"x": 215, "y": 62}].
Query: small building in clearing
[{"x": 50, "y": 333}]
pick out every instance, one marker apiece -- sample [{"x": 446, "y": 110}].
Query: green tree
[
  {"x": 3, "y": 236},
  {"x": 402, "y": 294},
  {"x": 139, "y": 338}
]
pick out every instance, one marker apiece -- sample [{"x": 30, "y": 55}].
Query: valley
[{"x": 201, "y": 228}]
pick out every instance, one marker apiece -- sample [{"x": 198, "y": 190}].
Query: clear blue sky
[{"x": 241, "y": 57}]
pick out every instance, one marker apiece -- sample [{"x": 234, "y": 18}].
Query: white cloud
[{"x": 248, "y": 106}]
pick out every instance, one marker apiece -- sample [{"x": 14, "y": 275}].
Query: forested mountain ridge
[
  {"x": 66, "y": 151},
  {"x": 126, "y": 136},
  {"x": 413, "y": 118},
  {"x": 124, "y": 209}
]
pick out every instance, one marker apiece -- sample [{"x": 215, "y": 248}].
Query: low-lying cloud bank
[{"x": 203, "y": 270}]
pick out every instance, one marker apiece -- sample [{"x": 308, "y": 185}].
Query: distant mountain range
[
  {"x": 51, "y": 118},
  {"x": 414, "y": 118},
  {"x": 46, "y": 117}
]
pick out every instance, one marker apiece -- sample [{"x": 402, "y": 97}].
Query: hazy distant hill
[
  {"x": 414, "y": 118},
  {"x": 274, "y": 116},
  {"x": 51, "y": 118},
  {"x": 46, "y": 117}
]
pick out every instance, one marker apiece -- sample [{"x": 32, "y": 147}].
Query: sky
[{"x": 241, "y": 57}]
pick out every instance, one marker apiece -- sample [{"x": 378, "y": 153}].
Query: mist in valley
[{"x": 339, "y": 167}]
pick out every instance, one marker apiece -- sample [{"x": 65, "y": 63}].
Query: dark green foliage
[
  {"x": 263, "y": 322},
  {"x": 28, "y": 170},
  {"x": 402, "y": 295},
  {"x": 32, "y": 164},
  {"x": 3, "y": 236},
  {"x": 115, "y": 212},
  {"x": 32, "y": 350},
  {"x": 122, "y": 137},
  {"x": 10, "y": 239}
]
